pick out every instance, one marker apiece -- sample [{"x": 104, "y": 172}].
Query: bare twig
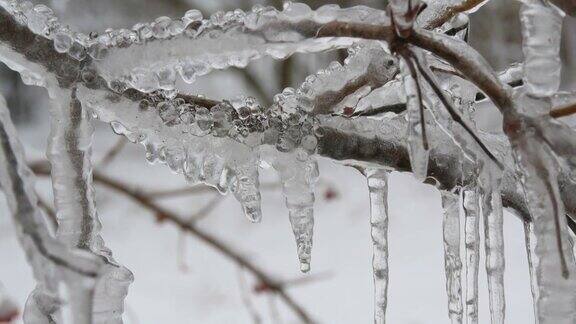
[
  {"x": 246, "y": 298},
  {"x": 113, "y": 152},
  {"x": 563, "y": 111},
  {"x": 163, "y": 214}
]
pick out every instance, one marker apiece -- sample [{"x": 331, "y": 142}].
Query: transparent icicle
[
  {"x": 471, "y": 210},
  {"x": 541, "y": 37},
  {"x": 417, "y": 151},
  {"x": 492, "y": 213},
  {"x": 452, "y": 260},
  {"x": 298, "y": 180},
  {"x": 69, "y": 152},
  {"x": 378, "y": 190},
  {"x": 553, "y": 284},
  {"x": 66, "y": 278}
]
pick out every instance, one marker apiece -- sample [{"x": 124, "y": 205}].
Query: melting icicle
[
  {"x": 541, "y": 37},
  {"x": 494, "y": 244},
  {"x": 472, "y": 251},
  {"x": 378, "y": 189},
  {"x": 417, "y": 150},
  {"x": 452, "y": 261}
]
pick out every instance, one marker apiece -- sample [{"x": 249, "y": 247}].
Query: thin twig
[
  {"x": 454, "y": 114},
  {"x": 113, "y": 152},
  {"x": 246, "y": 298},
  {"x": 563, "y": 111},
  {"x": 161, "y": 213}
]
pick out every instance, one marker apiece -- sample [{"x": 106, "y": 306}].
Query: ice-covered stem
[
  {"x": 452, "y": 260},
  {"x": 378, "y": 190},
  {"x": 66, "y": 277},
  {"x": 69, "y": 152}
]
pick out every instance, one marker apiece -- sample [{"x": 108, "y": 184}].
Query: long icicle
[
  {"x": 452, "y": 261},
  {"x": 471, "y": 208},
  {"x": 492, "y": 213},
  {"x": 378, "y": 190}
]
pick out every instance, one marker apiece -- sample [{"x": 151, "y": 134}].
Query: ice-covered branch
[
  {"x": 69, "y": 152},
  {"x": 66, "y": 277}
]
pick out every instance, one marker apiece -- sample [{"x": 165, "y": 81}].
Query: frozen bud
[
  {"x": 88, "y": 75},
  {"x": 144, "y": 31},
  {"x": 166, "y": 78},
  {"x": 144, "y": 104},
  {"x": 221, "y": 116},
  {"x": 203, "y": 118},
  {"x": 192, "y": 16},
  {"x": 97, "y": 50},
  {"x": 309, "y": 143},
  {"x": 160, "y": 27},
  {"x": 243, "y": 112},
  {"x": 77, "y": 51},
  {"x": 176, "y": 27},
  {"x": 187, "y": 71},
  {"x": 62, "y": 41},
  {"x": 168, "y": 112},
  {"x": 187, "y": 112}
]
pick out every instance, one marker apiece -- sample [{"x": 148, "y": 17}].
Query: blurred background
[{"x": 180, "y": 278}]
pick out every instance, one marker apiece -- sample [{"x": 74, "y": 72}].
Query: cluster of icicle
[{"x": 224, "y": 146}]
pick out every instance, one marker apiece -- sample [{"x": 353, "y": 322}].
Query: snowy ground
[{"x": 181, "y": 280}]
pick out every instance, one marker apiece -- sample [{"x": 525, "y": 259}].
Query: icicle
[
  {"x": 552, "y": 265},
  {"x": 452, "y": 261},
  {"x": 417, "y": 150},
  {"x": 78, "y": 223},
  {"x": 378, "y": 189},
  {"x": 494, "y": 244},
  {"x": 298, "y": 178},
  {"x": 472, "y": 251},
  {"x": 541, "y": 37}
]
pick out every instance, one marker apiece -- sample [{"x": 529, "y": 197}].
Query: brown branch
[
  {"x": 563, "y": 111},
  {"x": 163, "y": 214},
  {"x": 113, "y": 152}
]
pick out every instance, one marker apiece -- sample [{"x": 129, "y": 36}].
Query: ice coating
[
  {"x": 471, "y": 208},
  {"x": 66, "y": 278},
  {"x": 492, "y": 213},
  {"x": 551, "y": 259},
  {"x": 378, "y": 190},
  {"x": 541, "y": 36},
  {"x": 417, "y": 147},
  {"x": 69, "y": 152},
  {"x": 452, "y": 260}
]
